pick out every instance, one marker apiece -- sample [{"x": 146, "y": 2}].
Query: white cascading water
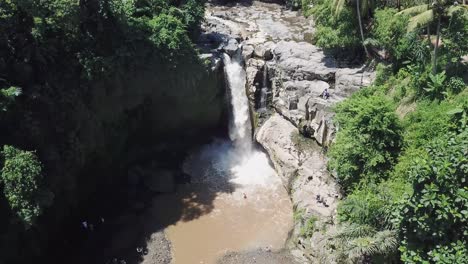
[
  {"x": 264, "y": 90},
  {"x": 238, "y": 160},
  {"x": 239, "y": 127}
]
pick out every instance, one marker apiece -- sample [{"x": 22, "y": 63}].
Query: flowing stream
[{"x": 235, "y": 201}]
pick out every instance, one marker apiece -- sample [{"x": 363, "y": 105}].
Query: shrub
[
  {"x": 368, "y": 140},
  {"x": 374, "y": 205},
  {"x": 21, "y": 176},
  {"x": 307, "y": 230},
  {"x": 389, "y": 29},
  {"x": 435, "y": 216},
  {"x": 335, "y": 32}
]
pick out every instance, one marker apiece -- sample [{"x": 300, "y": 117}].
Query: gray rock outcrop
[{"x": 302, "y": 167}]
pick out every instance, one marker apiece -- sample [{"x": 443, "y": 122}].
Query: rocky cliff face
[{"x": 297, "y": 119}]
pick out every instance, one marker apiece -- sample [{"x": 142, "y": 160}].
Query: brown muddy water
[{"x": 216, "y": 217}]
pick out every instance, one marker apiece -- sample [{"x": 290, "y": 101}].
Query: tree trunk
[
  {"x": 358, "y": 9},
  {"x": 429, "y": 27},
  {"x": 434, "y": 67}
]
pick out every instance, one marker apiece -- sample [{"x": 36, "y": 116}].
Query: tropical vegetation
[
  {"x": 401, "y": 151},
  {"x": 59, "y": 59}
]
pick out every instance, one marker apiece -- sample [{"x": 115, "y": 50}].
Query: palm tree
[
  {"x": 356, "y": 243},
  {"x": 362, "y": 9},
  {"x": 424, "y": 15},
  {"x": 358, "y": 10}
]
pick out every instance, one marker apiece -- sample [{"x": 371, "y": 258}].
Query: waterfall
[
  {"x": 240, "y": 126},
  {"x": 236, "y": 160},
  {"x": 264, "y": 90}
]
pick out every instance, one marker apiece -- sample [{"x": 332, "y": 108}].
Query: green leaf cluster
[
  {"x": 436, "y": 215},
  {"x": 368, "y": 142},
  {"x": 21, "y": 177}
]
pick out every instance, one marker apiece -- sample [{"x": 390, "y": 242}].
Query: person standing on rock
[{"x": 325, "y": 94}]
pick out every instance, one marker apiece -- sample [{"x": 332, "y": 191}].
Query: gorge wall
[{"x": 87, "y": 142}]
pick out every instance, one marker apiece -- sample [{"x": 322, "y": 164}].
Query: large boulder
[
  {"x": 302, "y": 167},
  {"x": 254, "y": 72},
  {"x": 247, "y": 52},
  {"x": 300, "y": 164},
  {"x": 303, "y": 61},
  {"x": 263, "y": 52},
  {"x": 318, "y": 122},
  {"x": 350, "y": 80}
]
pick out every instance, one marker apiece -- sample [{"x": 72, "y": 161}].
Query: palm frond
[
  {"x": 420, "y": 20},
  {"x": 338, "y": 6},
  {"x": 386, "y": 241},
  {"x": 352, "y": 231},
  {"x": 371, "y": 42},
  {"x": 353, "y": 242},
  {"x": 414, "y": 10},
  {"x": 453, "y": 9},
  {"x": 364, "y": 7}
]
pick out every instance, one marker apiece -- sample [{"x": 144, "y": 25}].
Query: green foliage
[
  {"x": 456, "y": 252},
  {"x": 168, "y": 33},
  {"x": 389, "y": 29},
  {"x": 409, "y": 179},
  {"x": 21, "y": 177},
  {"x": 368, "y": 141},
  {"x": 74, "y": 61},
  {"x": 455, "y": 43},
  {"x": 431, "y": 120},
  {"x": 374, "y": 205},
  {"x": 335, "y": 32},
  {"x": 293, "y": 4},
  {"x": 7, "y": 97},
  {"x": 436, "y": 85},
  {"x": 307, "y": 7},
  {"x": 308, "y": 229},
  {"x": 194, "y": 12},
  {"x": 356, "y": 243},
  {"x": 435, "y": 216},
  {"x": 298, "y": 214}
]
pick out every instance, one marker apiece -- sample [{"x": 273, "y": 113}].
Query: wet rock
[
  {"x": 254, "y": 68},
  {"x": 247, "y": 52},
  {"x": 263, "y": 52},
  {"x": 231, "y": 47},
  {"x": 213, "y": 59}
]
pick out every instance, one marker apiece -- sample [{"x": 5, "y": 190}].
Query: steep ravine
[
  {"x": 222, "y": 202},
  {"x": 294, "y": 123}
]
